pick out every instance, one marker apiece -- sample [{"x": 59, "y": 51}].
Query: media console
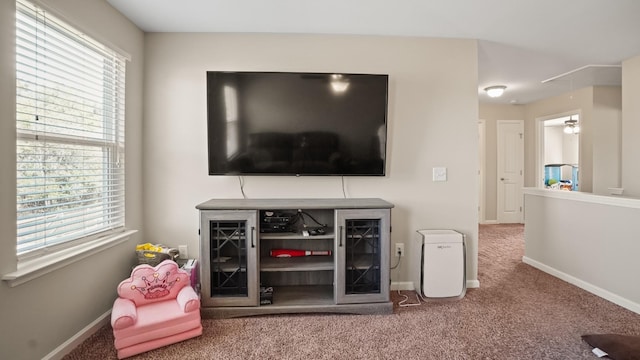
[{"x": 332, "y": 256}]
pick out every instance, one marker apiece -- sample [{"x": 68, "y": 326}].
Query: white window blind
[{"x": 70, "y": 134}]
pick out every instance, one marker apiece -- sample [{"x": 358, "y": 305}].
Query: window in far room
[
  {"x": 70, "y": 134},
  {"x": 561, "y": 152}
]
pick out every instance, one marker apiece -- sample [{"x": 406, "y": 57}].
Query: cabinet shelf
[
  {"x": 303, "y": 263},
  {"x": 329, "y": 235},
  {"x": 302, "y": 295},
  {"x": 228, "y": 267},
  {"x": 310, "y": 263}
]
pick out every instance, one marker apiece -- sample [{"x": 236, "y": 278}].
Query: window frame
[{"x": 115, "y": 149}]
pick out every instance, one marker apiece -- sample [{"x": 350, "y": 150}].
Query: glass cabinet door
[
  {"x": 229, "y": 246},
  {"x": 362, "y": 256}
]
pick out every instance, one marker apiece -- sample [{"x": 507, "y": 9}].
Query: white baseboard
[
  {"x": 489, "y": 222},
  {"x": 402, "y": 285},
  {"x": 473, "y": 284},
  {"x": 77, "y": 339},
  {"x": 605, "y": 294}
]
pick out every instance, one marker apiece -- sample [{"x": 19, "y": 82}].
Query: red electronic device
[{"x": 298, "y": 253}]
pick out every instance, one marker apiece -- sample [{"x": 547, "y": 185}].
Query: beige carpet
[{"x": 517, "y": 313}]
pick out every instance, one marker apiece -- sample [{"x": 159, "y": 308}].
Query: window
[{"x": 70, "y": 134}]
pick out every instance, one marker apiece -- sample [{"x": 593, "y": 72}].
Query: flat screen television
[{"x": 285, "y": 123}]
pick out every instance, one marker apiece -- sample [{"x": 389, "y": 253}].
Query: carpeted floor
[{"x": 518, "y": 313}]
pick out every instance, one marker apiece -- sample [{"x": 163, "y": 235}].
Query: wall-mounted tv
[{"x": 285, "y": 123}]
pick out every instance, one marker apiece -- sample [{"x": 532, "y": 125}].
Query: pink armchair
[{"x": 156, "y": 307}]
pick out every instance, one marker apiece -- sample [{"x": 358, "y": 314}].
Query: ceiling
[{"x": 537, "y": 48}]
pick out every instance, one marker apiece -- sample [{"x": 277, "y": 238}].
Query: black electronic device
[
  {"x": 276, "y": 219},
  {"x": 275, "y": 222},
  {"x": 316, "y": 231},
  {"x": 275, "y": 228},
  {"x": 286, "y": 123}
]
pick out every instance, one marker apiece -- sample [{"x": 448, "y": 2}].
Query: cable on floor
[{"x": 403, "y": 303}]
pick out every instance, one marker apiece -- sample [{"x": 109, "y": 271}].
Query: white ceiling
[{"x": 521, "y": 42}]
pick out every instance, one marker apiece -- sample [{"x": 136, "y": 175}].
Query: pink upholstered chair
[{"x": 156, "y": 307}]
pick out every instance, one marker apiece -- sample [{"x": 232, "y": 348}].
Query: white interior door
[{"x": 510, "y": 167}]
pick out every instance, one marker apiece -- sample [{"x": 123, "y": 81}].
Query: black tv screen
[{"x": 277, "y": 123}]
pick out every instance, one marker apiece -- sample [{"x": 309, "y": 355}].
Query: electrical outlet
[
  {"x": 399, "y": 249},
  {"x": 183, "y": 252}
]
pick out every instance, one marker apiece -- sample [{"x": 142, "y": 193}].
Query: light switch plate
[{"x": 439, "y": 174}]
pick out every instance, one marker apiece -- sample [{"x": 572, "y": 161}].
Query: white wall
[
  {"x": 631, "y": 126},
  {"x": 570, "y": 148},
  {"x": 433, "y": 112},
  {"x": 553, "y": 145},
  {"x": 41, "y": 314}
]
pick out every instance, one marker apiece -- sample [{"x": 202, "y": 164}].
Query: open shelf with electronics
[{"x": 294, "y": 256}]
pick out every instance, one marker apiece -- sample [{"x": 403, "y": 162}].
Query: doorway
[{"x": 559, "y": 149}]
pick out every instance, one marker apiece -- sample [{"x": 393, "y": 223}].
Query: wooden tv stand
[{"x": 237, "y": 235}]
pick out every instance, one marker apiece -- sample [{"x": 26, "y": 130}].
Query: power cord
[
  {"x": 344, "y": 193},
  {"x": 300, "y": 216},
  {"x": 403, "y": 302},
  {"x": 241, "y": 180},
  {"x": 399, "y": 259}
]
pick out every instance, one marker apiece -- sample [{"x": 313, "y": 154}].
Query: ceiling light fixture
[
  {"x": 571, "y": 126},
  {"x": 495, "y": 91}
]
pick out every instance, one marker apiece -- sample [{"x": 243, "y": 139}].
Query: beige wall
[
  {"x": 631, "y": 126},
  {"x": 432, "y": 121},
  {"x": 607, "y": 138},
  {"x": 43, "y": 313},
  {"x": 491, "y": 113}
]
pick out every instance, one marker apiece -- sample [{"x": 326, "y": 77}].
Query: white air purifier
[{"x": 443, "y": 265}]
